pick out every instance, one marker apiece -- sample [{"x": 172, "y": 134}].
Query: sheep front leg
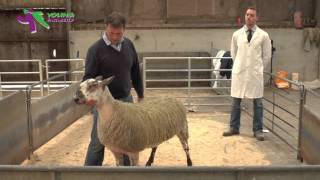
[{"x": 118, "y": 158}]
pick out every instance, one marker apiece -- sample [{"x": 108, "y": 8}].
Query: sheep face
[{"x": 90, "y": 90}]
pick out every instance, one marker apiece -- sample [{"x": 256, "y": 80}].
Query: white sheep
[{"x": 127, "y": 128}]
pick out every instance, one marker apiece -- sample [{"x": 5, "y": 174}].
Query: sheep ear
[
  {"x": 98, "y": 78},
  {"x": 107, "y": 81},
  {"x": 92, "y": 85}
]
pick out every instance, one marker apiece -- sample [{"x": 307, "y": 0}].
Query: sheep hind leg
[
  {"x": 184, "y": 142},
  {"x": 134, "y": 159},
  {"x": 151, "y": 157}
]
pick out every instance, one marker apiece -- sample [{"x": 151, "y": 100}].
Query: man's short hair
[
  {"x": 116, "y": 19},
  {"x": 252, "y": 8}
]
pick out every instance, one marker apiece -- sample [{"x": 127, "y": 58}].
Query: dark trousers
[{"x": 257, "y": 114}]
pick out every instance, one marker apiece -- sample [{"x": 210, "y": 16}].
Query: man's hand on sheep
[{"x": 128, "y": 128}]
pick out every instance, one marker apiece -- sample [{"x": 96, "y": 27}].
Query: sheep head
[{"x": 90, "y": 90}]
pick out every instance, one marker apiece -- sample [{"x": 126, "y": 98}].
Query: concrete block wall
[{"x": 289, "y": 55}]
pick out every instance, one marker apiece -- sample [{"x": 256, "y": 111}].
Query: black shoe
[
  {"x": 230, "y": 132},
  {"x": 259, "y": 135}
]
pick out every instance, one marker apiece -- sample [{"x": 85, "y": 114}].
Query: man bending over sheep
[
  {"x": 112, "y": 54},
  {"x": 127, "y": 128}
]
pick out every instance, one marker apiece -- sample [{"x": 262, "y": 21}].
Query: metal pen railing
[
  {"x": 188, "y": 70},
  {"x": 283, "y": 107},
  {"x": 310, "y": 137},
  {"x": 313, "y": 93},
  {"x": 283, "y": 111},
  {"x": 29, "y": 90},
  {"x": 58, "y": 83},
  {"x": 7, "y": 86}
]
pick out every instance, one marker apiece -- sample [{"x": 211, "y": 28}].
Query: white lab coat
[{"x": 249, "y": 60}]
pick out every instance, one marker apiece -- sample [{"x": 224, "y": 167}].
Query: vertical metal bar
[
  {"x": 65, "y": 80},
  {"x": 0, "y": 86},
  {"x": 318, "y": 73},
  {"x": 273, "y": 108},
  {"x": 40, "y": 76},
  {"x": 29, "y": 120},
  {"x": 301, "y": 106},
  {"x": 144, "y": 67},
  {"x": 47, "y": 75},
  {"x": 189, "y": 82},
  {"x": 83, "y": 65},
  {"x": 68, "y": 5}
]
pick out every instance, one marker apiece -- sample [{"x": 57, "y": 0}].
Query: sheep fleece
[{"x": 134, "y": 127}]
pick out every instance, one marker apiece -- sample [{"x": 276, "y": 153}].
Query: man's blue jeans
[
  {"x": 95, "y": 152},
  {"x": 257, "y": 114}
]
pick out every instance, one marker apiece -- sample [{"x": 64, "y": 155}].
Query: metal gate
[
  {"x": 283, "y": 108},
  {"x": 27, "y": 123},
  {"x": 189, "y": 76}
]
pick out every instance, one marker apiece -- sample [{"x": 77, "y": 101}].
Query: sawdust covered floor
[{"x": 207, "y": 146}]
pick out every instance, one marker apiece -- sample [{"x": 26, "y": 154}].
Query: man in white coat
[{"x": 251, "y": 51}]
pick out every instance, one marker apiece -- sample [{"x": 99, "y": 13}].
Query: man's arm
[
  {"x": 266, "y": 51},
  {"x": 234, "y": 47},
  {"x": 91, "y": 67},
  {"x": 136, "y": 76}
]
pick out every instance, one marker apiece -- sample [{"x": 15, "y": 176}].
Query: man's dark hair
[
  {"x": 116, "y": 19},
  {"x": 252, "y": 8}
]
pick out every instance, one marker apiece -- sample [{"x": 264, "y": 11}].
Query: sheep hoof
[
  {"x": 148, "y": 163},
  {"x": 189, "y": 162}
]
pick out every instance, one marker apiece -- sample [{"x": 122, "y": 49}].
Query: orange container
[{"x": 281, "y": 83}]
